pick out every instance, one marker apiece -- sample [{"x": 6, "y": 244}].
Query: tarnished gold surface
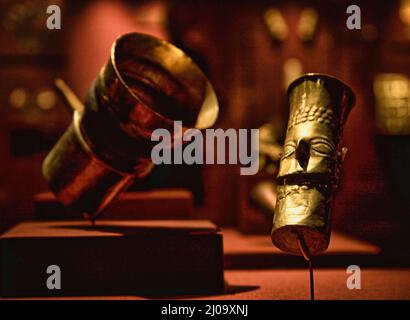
[
  {"x": 146, "y": 84},
  {"x": 310, "y": 164}
]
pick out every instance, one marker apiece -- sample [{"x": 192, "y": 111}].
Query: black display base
[{"x": 112, "y": 257}]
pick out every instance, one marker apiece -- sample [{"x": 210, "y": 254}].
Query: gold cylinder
[
  {"x": 311, "y": 162},
  {"x": 146, "y": 84}
]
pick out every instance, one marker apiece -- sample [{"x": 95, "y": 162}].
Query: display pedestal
[
  {"x": 155, "y": 204},
  {"x": 113, "y": 257}
]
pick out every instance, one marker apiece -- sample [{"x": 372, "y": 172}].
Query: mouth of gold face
[
  {"x": 323, "y": 183},
  {"x": 302, "y": 202},
  {"x": 302, "y": 210}
]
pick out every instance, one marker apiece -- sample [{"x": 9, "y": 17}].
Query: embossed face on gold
[
  {"x": 306, "y": 176},
  {"x": 310, "y": 163},
  {"x": 308, "y": 150}
]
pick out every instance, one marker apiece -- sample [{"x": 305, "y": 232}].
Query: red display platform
[{"x": 155, "y": 204}]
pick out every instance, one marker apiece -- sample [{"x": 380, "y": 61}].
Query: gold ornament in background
[
  {"x": 18, "y": 98},
  {"x": 308, "y": 23},
  {"x": 392, "y": 99},
  {"x": 279, "y": 31},
  {"x": 263, "y": 194},
  {"x": 404, "y": 13},
  {"x": 310, "y": 164},
  {"x": 292, "y": 69},
  {"x": 269, "y": 148},
  {"x": 276, "y": 24},
  {"x": 24, "y": 23}
]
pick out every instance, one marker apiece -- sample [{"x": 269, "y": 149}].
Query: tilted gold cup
[
  {"x": 311, "y": 162},
  {"x": 146, "y": 84}
]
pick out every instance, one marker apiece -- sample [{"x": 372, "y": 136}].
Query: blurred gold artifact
[
  {"x": 263, "y": 194},
  {"x": 310, "y": 164},
  {"x": 292, "y": 69},
  {"x": 276, "y": 24},
  {"x": 22, "y": 25},
  {"x": 308, "y": 24},
  {"x": 392, "y": 95},
  {"x": 404, "y": 12},
  {"x": 269, "y": 148},
  {"x": 146, "y": 84}
]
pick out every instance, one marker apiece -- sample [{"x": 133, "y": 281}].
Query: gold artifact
[
  {"x": 146, "y": 84},
  {"x": 276, "y": 24},
  {"x": 308, "y": 24},
  {"x": 263, "y": 194},
  {"x": 392, "y": 93},
  {"x": 310, "y": 165}
]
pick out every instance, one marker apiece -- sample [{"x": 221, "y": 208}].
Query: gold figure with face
[{"x": 310, "y": 163}]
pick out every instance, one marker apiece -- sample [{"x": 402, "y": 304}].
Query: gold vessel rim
[
  {"x": 313, "y": 75},
  {"x": 208, "y": 85}
]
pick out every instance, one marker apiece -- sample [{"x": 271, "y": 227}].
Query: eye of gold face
[
  {"x": 322, "y": 147},
  {"x": 289, "y": 149},
  {"x": 318, "y": 146}
]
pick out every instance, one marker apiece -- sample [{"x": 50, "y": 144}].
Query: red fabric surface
[{"x": 294, "y": 284}]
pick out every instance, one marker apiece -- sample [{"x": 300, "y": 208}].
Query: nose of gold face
[
  {"x": 309, "y": 148},
  {"x": 302, "y": 154}
]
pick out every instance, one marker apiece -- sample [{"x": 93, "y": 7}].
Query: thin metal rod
[
  {"x": 305, "y": 253},
  {"x": 312, "y": 284},
  {"x": 303, "y": 248},
  {"x": 68, "y": 95}
]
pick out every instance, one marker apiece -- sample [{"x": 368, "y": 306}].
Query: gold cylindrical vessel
[
  {"x": 146, "y": 84},
  {"x": 311, "y": 162}
]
